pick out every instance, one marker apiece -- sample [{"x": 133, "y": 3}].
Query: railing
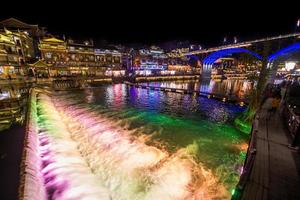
[
  {"x": 241, "y": 44},
  {"x": 249, "y": 161},
  {"x": 166, "y": 77},
  {"x": 292, "y": 121},
  {"x": 224, "y": 98}
]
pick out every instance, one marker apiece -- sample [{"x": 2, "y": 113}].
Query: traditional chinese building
[
  {"x": 39, "y": 69},
  {"x": 9, "y": 58},
  {"x": 154, "y": 61},
  {"x": 27, "y": 34},
  {"x": 74, "y": 58},
  {"x": 149, "y": 61},
  {"x": 54, "y": 51},
  {"x": 15, "y": 50},
  {"x": 18, "y": 46},
  {"x": 111, "y": 60}
]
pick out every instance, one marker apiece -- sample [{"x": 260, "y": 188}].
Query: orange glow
[{"x": 179, "y": 67}]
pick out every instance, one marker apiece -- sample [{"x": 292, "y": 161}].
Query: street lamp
[{"x": 235, "y": 40}]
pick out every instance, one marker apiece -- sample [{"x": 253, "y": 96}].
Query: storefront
[
  {"x": 40, "y": 69},
  {"x": 118, "y": 73},
  {"x": 184, "y": 68},
  {"x": 7, "y": 72},
  {"x": 143, "y": 72}
]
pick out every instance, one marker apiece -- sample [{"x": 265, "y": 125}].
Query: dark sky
[{"x": 150, "y": 22}]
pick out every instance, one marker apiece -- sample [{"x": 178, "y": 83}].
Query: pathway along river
[{"x": 138, "y": 144}]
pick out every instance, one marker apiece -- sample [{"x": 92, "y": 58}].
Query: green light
[
  {"x": 243, "y": 126},
  {"x": 232, "y": 192},
  {"x": 243, "y": 155}
]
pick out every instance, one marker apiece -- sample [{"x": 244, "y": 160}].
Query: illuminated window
[
  {"x": 48, "y": 55},
  {"x": 3, "y": 58},
  {"x": 108, "y": 59}
]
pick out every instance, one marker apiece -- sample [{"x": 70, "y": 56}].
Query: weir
[{"x": 73, "y": 151}]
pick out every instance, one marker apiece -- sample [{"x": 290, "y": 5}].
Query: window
[
  {"x": 3, "y": 58},
  {"x": 116, "y": 59},
  {"x": 48, "y": 55},
  {"x": 108, "y": 59}
]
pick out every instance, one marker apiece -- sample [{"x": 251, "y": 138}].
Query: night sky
[{"x": 149, "y": 23}]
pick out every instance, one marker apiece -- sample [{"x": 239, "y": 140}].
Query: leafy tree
[{"x": 244, "y": 121}]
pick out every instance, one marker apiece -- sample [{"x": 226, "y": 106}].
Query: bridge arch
[
  {"x": 284, "y": 52},
  {"x": 213, "y": 57},
  {"x": 279, "y": 56}
]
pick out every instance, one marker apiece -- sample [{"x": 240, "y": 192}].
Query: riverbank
[
  {"x": 11, "y": 150},
  {"x": 275, "y": 170}
]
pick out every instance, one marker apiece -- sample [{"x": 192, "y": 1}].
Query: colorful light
[
  {"x": 290, "y": 66},
  {"x": 285, "y": 51},
  {"x": 232, "y": 192},
  {"x": 86, "y": 155},
  {"x": 211, "y": 58}
]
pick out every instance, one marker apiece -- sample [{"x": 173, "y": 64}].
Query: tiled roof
[{"x": 15, "y": 23}]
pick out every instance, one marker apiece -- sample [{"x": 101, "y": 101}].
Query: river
[{"x": 144, "y": 144}]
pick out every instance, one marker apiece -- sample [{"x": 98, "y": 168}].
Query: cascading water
[
  {"x": 130, "y": 169},
  {"x": 66, "y": 174},
  {"x": 87, "y": 153}
]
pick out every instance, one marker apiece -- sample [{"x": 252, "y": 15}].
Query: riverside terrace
[{"x": 272, "y": 167}]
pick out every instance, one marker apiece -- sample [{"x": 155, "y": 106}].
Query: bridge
[{"x": 281, "y": 48}]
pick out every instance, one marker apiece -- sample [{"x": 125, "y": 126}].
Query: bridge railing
[{"x": 241, "y": 44}]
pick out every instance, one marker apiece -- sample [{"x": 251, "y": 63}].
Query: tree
[{"x": 244, "y": 121}]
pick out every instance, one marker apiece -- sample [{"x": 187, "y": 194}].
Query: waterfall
[{"x": 79, "y": 153}]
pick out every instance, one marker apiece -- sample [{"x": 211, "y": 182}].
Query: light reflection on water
[
  {"x": 180, "y": 120},
  {"x": 237, "y": 88}
]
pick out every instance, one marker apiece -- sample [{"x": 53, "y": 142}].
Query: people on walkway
[{"x": 275, "y": 103}]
